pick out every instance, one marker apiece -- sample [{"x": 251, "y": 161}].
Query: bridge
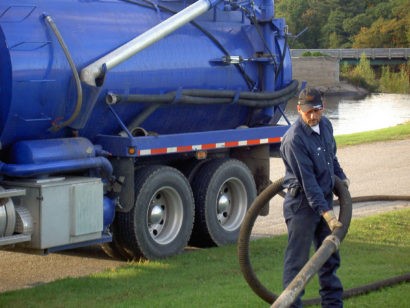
[{"x": 377, "y": 56}]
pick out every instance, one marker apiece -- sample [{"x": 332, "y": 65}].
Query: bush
[
  {"x": 361, "y": 75},
  {"x": 317, "y": 54},
  {"x": 391, "y": 82},
  {"x": 313, "y": 54},
  {"x": 345, "y": 70}
]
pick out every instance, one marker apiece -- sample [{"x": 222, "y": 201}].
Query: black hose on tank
[
  {"x": 328, "y": 247},
  {"x": 204, "y": 96},
  {"x": 79, "y": 102}
]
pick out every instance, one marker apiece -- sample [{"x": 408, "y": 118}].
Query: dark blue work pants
[{"x": 304, "y": 228}]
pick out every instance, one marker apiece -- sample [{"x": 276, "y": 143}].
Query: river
[{"x": 372, "y": 112}]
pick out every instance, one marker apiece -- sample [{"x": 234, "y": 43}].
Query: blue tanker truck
[{"x": 141, "y": 126}]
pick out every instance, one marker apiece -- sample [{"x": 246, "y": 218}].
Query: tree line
[{"x": 346, "y": 24}]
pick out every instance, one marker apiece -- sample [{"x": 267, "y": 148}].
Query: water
[{"x": 352, "y": 116}]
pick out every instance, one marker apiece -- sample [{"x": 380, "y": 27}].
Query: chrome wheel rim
[
  {"x": 231, "y": 204},
  {"x": 164, "y": 215}
]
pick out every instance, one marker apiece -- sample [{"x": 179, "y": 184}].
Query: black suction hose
[
  {"x": 330, "y": 245},
  {"x": 77, "y": 109},
  {"x": 244, "y": 238},
  {"x": 202, "y": 96}
]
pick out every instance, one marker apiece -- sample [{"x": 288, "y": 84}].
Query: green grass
[
  {"x": 398, "y": 132},
  {"x": 375, "y": 248}
]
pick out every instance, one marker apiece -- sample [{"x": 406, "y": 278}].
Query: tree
[
  {"x": 333, "y": 34},
  {"x": 355, "y": 24},
  {"x": 292, "y": 10},
  {"x": 387, "y": 33},
  {"x": 344, "y": 24}
]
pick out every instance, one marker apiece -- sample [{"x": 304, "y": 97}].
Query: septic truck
[{"x": 141, "y": 126}]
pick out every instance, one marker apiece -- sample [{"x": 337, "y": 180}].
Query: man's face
[{"x": 311, "y": 117}]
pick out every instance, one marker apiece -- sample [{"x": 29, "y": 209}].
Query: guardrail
[{"x": 371, "y": 53}]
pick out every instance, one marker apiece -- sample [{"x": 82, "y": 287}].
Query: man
[{"x": 308, "y": 151}]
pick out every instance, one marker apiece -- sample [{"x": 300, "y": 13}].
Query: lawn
[{"x": 376, "y": 247}]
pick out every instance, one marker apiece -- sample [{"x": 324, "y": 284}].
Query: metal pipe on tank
[
  {"x": 269, "y": 69},
  {"x": 266, "y": 17},
  {"x": 95, "y": 70}
]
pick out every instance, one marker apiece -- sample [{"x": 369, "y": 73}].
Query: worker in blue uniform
[{"x": 308, "y": 151}]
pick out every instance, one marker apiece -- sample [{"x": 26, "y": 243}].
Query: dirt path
[{"x": 373, "y": 169}]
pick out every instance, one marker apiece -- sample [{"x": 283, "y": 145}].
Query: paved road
[{"x": 374, "y": 169}]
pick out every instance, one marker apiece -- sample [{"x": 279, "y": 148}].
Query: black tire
[
  {"x": 160, "y": 223},
  {"x": 116, "y": 248},
  {"x": 110, "y": 250},
  {"x": 223, "y": 190}
]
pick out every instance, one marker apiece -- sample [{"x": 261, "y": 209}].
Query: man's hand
[{"x": 331, "y": 220}]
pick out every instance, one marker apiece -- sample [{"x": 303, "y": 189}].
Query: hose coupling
[
  {"x": 334, "y": 240},
  {"x": 111, "y": 99}
]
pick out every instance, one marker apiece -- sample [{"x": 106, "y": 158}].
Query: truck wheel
[
  {"x": 223, "y": 190},
  {"x": 160, "y": 223},
  {"x": 116, "y": 249}
]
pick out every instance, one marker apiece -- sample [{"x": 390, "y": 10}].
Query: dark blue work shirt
[{"x": 311, "y": 163}]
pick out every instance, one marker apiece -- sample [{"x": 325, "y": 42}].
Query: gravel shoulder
[{"x": 381, "y": 168}]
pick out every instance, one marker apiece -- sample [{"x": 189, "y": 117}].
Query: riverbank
[
  {"x": 324, "y": 73},
  {"x": 344, "y": 89}
]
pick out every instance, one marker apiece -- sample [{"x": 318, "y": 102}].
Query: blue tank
[
  {"x": 138, "y": 100},
  {"x": 158, "y": 88}
]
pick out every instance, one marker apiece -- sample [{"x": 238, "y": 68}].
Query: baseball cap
[{"x": 310, "y": 98}]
